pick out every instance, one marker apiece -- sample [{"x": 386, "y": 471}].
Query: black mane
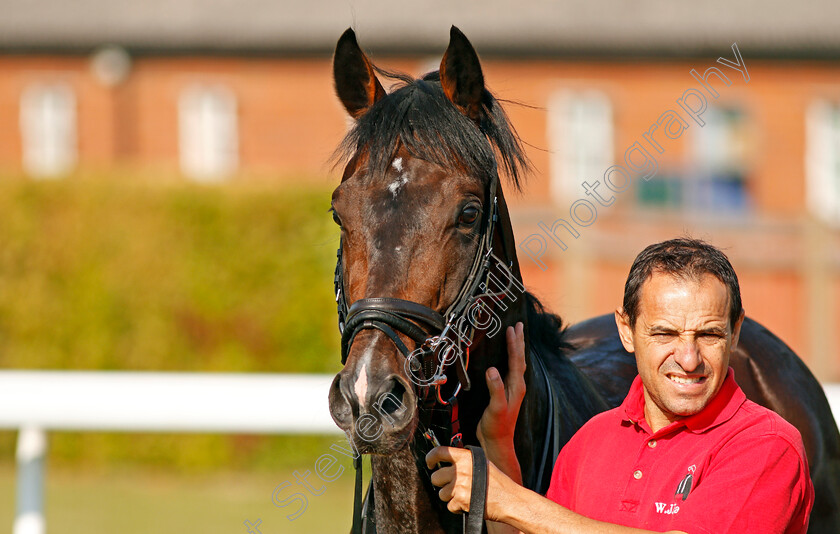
[
  {"x": 546, "y": 329},
  {"x": 418, "y": 116}
]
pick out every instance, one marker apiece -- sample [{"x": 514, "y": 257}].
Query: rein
[{"x": 428, "y": 328}]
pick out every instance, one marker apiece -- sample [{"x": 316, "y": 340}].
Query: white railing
[{"x": 35, "y": 402}]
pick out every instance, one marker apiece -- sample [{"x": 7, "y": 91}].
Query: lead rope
[
  {"x": 474, "y": 519},
  {"x": 357, "y": 498}
]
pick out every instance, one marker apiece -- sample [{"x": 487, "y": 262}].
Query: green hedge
[{"x": 132, "y": 274}]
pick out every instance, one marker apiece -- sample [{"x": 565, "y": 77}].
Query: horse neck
[
  {"x": 533, "y": 421},
  {"x": 404, "y": 498},
  {"x": 559, "y": 399}
]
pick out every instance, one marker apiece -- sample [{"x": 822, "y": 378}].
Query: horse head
[{"x": 418, "y": 203}]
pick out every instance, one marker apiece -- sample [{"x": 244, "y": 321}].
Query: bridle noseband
[{"x": 428, "y": 328}]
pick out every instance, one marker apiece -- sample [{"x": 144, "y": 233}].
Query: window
[
  {"x": 714, "y": 178},
  {"x": 48, "y": 129},
  {"x": 208, "y": 132},
  {"x": 661, "y": 190},
  {"x": 580, "y": 137},
  {"x": 822, "y": 160},
  {"x": 717, "y": 180}
]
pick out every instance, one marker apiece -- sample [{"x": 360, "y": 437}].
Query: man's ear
[
  {"x": 736, "y": 330},
  {"x": 625, "y": 331}
]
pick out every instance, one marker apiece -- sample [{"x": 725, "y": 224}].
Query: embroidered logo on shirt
[
  {"x": 684, "y": 488},
  {"x": 660, "y": 508}
]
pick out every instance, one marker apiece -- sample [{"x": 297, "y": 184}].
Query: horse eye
[
  {"x": 468, "y": 215},
  {"x": 335, "y": 218}
]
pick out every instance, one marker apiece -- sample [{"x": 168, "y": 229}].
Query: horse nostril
[
  {"x": 392, "y": 401},
  {"x": 395, "y": 404},
  {"x": 340, "y": 403}
]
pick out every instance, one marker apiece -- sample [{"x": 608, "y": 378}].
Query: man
[{"x": 685, "y": 452}]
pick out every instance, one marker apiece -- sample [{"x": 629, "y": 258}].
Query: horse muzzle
[{"x": 379, "y": 414}]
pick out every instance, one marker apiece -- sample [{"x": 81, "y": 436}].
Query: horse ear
[
  {"x": 355, "y": 81},
  {"x": 460, "y": 75}
]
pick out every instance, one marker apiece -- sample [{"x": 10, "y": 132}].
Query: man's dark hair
[{"x": 686, "y": 258}]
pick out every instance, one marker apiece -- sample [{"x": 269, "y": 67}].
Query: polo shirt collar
[{"x": 722, "y": 407}]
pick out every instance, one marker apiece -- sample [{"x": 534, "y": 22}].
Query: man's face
[{"x": 682, "y": 340}]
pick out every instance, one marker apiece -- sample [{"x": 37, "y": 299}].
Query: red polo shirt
[{"x": 734, "y": 467}]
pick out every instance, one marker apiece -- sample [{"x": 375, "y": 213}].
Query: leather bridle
[
  {"x": 425, "y": 326},
  {"x": 429, "y": 329}
]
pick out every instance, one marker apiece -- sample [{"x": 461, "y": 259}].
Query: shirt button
[
  {"x": 637, "y": 474},
  {"x": 652, "y": 443}
]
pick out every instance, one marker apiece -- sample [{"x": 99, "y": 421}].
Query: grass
[{"x": 132, "y": 501}]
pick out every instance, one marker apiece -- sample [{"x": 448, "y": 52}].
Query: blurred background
[{"x": 165, "y": 177}]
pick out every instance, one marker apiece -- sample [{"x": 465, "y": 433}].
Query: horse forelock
[{"x": 417, "y": 116}]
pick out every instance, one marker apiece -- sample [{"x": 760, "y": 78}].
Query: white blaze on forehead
[
  {"x": 401, "y": 180},
  {"x": 361, "y": 385},
  {"x": 395, "y": 186}
]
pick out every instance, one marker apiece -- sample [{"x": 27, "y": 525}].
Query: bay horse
[{"x": 427, "y": 276}]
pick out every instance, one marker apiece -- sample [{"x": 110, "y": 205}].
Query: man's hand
[
  {"x": 496, "y": 427},
  {"x": 455, "y": 481}
]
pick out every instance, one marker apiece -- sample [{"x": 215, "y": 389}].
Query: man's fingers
[
  {"x": 447, "y": 477},
  {"x": 437, "y": 455},
  {"x": 445, "y": 454},
  {"x": 456, "y": 503},
  {"x": 456, "y": 508},
  {"x": 516, "y": 347},
  {"x": 498, "y": 400},
  {"x": 516, "y": 360},
  {"x": 447, "y": 492},
  {"x": 443, "y": 476}
]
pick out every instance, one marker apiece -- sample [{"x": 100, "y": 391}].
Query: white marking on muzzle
[{"x": 361, "y": 385}]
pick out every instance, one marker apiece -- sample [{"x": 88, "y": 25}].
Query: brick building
[{"x": 744, "y": 152}]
